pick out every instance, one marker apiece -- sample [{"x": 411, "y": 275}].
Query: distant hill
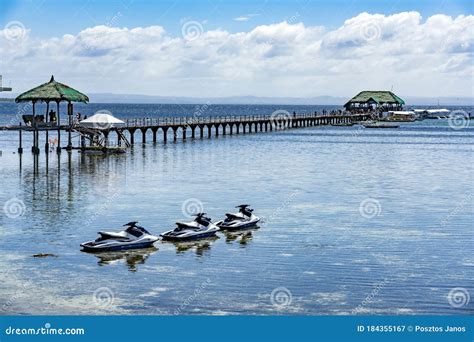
[
  {"x": 317, "y": 100},
  {"x": 132, "y": 98},
  {"x": 255, "y": 100}
]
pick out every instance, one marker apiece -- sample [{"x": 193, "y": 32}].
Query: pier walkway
[{"x": 191, "y": 127}]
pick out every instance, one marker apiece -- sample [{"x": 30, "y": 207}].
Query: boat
[
  {"x": 200, "y": 227},
  {"x": 343, "y": 124},
  {"x": 132, "y": 237},
  {"x": 379, "y": 124},
  {"x": 240, "y": 220},
  {"x": 437, "y": 113},
  {"x": 98, "y": 150},
  {"x": 402, "y": 116}
]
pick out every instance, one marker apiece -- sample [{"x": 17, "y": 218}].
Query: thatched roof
[
  {"x": 52, "y": 91},
  {"x": 378, "y": 97}
]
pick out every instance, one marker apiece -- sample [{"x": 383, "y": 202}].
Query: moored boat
[{"x": 379, "y": 124}]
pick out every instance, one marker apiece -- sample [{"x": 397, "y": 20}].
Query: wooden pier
[{"x": 191, "y": 127}]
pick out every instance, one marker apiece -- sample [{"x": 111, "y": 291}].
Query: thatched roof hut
[
  {"x": 52, "y": 92},
  {"x": 368, "y": 99}
]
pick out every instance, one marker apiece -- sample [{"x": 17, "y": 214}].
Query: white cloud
[
  {"x": 242, "y": 18},
  {"x": 245, "y": 17},
  {"x": 432, "y": 57}
]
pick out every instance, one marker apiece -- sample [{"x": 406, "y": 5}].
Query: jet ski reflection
[
  {"x": 243, "y": 236},
  {"x": 132, "y": 258},
  {"x": 201, "y": 246}
]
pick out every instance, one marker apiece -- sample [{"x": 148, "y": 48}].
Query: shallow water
[{"x": 355, "y": 221}]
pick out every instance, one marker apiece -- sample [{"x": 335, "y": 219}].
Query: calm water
[{"x": 355, "y": 221}]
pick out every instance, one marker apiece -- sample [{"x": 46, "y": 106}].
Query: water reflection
[
  {"x": 243, "y": 236},
  {"x": 132, "y": 258},
  {"x": 201, "y": 246}
]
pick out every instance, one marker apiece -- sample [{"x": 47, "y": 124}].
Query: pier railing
[
  {"x": 196, "y": 120},
  {"x": 199, "y": 120}
]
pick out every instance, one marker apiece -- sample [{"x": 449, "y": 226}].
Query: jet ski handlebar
[
  {"x": 200, "y": 216},
  {"x": 244, "y": 208}
]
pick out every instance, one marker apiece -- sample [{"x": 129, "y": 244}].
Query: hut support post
[
  {"x": 69, "y": 138},
  {"x": 46, "y": 144},
  {"x": 58, "y": 123},
  {"x": 33, "y": 123},
  {"x": 20, "y": 147},
  {"x": 37, "y": 150}
]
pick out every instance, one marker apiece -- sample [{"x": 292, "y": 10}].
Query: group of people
[{"x": 52, "y": 116}]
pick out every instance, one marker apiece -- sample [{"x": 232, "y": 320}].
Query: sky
[{"x": 214, "y": 48}]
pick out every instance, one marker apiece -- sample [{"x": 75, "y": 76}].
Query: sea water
[{"x": 354, "y": 220}]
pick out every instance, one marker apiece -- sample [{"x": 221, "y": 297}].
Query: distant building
[{"x": 374, "y": 100}]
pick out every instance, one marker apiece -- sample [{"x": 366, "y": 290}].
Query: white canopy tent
[
  {"x": 97, "y": 129},
  {"x": 102, "y": 121}
]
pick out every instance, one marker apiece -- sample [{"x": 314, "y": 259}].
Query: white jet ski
[
  {"x": 201, "y": 227},
  {"x": 131, "y": 238},
  {"x": 241, "y": 220}
]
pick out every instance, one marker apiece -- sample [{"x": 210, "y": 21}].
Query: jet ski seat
[{"x": 247, "y": 212}]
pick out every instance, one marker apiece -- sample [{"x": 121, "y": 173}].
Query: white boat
[
  {"x": 433, "y": 113},
  {"x": 379, "y": 124},
  {"x": 402, "y": 116}
]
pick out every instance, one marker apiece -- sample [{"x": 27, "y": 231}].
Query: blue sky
[
  {"x": 56, "y": 17},
  {"x": 238, "y": 48}
]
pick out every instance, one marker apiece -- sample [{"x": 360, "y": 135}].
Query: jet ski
[
  {"x": 241, "y": 220},
  {"x": 201, "y": 227},
  {"x": 131, "y": 237}
]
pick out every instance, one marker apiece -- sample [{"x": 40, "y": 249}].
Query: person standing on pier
[{"x": 52, "y": 116}]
